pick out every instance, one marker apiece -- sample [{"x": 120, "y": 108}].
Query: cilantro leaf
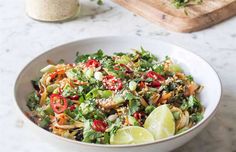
[
  {"x": 33, "y": 101},
  {"x": 196, "y": 117}
]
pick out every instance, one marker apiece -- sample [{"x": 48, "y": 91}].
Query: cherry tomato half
[
  {"x": 99, "y": 126},
  {"x": 112, "y": 83},
  {"x": 138, "y": 115},
  {"x": 72, "y": 108},
  {"x": 92, "y": 62},
  {"x": 58, "y": 103},
  {"x": 155, "y": 84},
  {"x": 74, "y": 97},
  {"x": 155, "y": 76}
]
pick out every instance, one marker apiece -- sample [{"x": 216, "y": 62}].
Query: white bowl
[{"x": 191, "y": 63}]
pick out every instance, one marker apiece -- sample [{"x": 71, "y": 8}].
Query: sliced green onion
[
  {"x": 52, "y": 87},
  {"x": 132, "y": 85},
  {"x": 105, "y": 93},
  {"x": 118, "y": 99},
  {"x": 176, "y": 115},
  {"x": 48, "y": 68}
]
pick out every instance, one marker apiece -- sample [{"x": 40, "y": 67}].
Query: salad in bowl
[{"x": 124, "y": 98}]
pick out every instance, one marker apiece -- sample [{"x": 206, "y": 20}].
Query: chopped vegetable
[
  {"x": 58, "y": 103},
  {"x": 100, "y": 97}
]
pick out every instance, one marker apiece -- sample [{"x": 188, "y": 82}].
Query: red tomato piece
[
  {"x": 155, "y": 76},
  {"x": 74, "y": 97},
  {"x": 138, "y": 115},
  {"x": 155, "y": 84},
  {"x": 142, "y": 84},
  {"x": 72, "y": 108},
  {"x": 58, "y": 103},
  {"x": 112, "y": 83},
  {"x": 92, "y": 62},
  {"x": 99, "y": 126}
]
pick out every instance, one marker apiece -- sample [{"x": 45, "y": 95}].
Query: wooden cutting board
[{"x": 192, "y": 18}]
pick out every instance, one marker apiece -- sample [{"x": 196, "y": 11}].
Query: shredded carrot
[
  {"x": 62, "y": 120},
  {"x": 165, "y": 97}
]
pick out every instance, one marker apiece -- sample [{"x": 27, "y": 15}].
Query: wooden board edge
[{"x": 179, "y": 24}]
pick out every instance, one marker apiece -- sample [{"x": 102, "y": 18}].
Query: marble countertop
[{"x": 22, "y": 39}]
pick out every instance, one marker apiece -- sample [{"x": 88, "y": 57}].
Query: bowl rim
[{"x": 202, "y": 122}]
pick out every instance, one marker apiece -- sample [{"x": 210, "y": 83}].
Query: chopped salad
[{"x": 101, "y": 98}]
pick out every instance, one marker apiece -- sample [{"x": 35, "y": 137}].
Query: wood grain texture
[{"x": 198, "y": 17}]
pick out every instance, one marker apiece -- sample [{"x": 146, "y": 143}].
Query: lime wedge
[
  {"x": 131, "y": 135},
  {"x": 160, "y": 122}
]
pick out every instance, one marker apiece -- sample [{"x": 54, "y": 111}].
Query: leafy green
[
  {"x": 120, "y": 53},
  {"x": 114, "y": 126},
  {"x": 105, "y": 93},
  {"x": 44, "y": 122},
  {"x": 94, "y": 93},
  {"x": 145, "y": 65},
  {"x": 81, "y": 58},
  {"x": 124, "y": 59},
  {"x": 69, "y": 91},
  {"x": 159, "y": 69},
  {"x": 130, "y": 96},
  {"x": 184, "y": 3},
  {"x": 107, "y": 138},
  {"x": 134, "y": 102},
  {"x": 184, "y": 105},
  {"x": 176, "y": 115},
  {"x": 89, "y": 134},
  {"x": 35, "y": 84},
  {"x": 134, "y": 106},
  {"x": 147, "y": 56},
  {"x": 149, "y": 109},
  {"x": 189, "y": 77},
  {"x": 193, "y": 102},
  {"x": 32, "y": 101},
  {"x": 99, "y": 55},
  {"x": 196, "y": 117},
  {"x": 89, "y": 110}
]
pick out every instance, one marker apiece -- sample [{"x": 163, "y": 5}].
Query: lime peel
[
  {"x": 131, "y": 135},
  {"x": 160, "y": 123}
]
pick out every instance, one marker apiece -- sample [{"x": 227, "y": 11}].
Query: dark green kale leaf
[{"x": 33, "y": 101}]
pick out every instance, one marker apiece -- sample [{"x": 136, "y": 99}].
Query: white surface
[
  {"x": 22, "y": 39},
  {"x": 194, "y": 65}
]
